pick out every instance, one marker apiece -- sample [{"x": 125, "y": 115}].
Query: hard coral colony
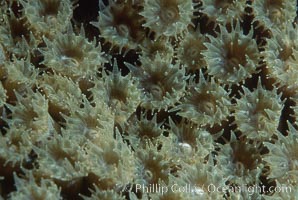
[{"x": 117, "y": 99}]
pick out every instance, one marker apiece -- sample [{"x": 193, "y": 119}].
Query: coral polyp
[
  {"x": 206, "y": 103},
  {"x": 47, "y": 17},
  {"x": 263, "y": 113},
  {"x": 167, "y": 17},
  {"x": 163, "y": 83},
  {"x": 282, "y": 158},
  {"x": 148, "y": 99},
  {"x": 223, "y": 11},
  {"x": 120, "y": 24},
  {"x": 73, "y": 55},
  {"x": 232, "y": 56}
]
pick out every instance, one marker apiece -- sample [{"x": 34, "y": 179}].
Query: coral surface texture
[{"x": 148, "y": 100}]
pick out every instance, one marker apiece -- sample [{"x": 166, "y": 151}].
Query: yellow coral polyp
[
  {"x": 16, "y": 36},
  {"x": 144, "y": 130},
  {"x": 281, "y": 53},
  {"x": 153, "y": 166},
  {"x": 62, "y": 93},
  {"x": 46, "y": 189}
]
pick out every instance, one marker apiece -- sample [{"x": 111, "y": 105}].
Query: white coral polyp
[
  {"x": 33, "y": 189},
  {"x": 48, "y": 17},
  {"x": 120, "y": 24},
  {"x": 120, "y": 93},
  {"x": 2, "y": 95},
  {"x": 281, "y": 54},
  {"x": 167, "y": 17},
  {"x": 240, "y": 161},
  {"x": 206, "y": 103},
  {"x": 190, "y": 49},
  {"x": 223, "y": 11},
  {"x": 282, "y": 158},
  {"x": 90, "y": 120},
  {"x": 111, "y": 161},
  {"x": 73, "y": 55},
  {"x": 276, "y": 13},
  {"x": 31, "y": 113},
  {"x": 232, "y": 56},
  {"x": 163, "y": 83},
  {"x": 257, "y": 113}
]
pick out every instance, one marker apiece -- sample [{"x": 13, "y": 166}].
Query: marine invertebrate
[
  {"x": 16, "y": 36},
  {"x": 189, "y": 50},
  {"x": 206, "y": 103},
  {"x": 163, "y": 83},
  {"x": 111, "y": 162},
  {"x": 120, "y": 24},
  {"x": 203, "y": 177},
  {"x": 120, "y": 93},
  {"x": 62, "y": 94},
  {"x": 240, "y": 161},
  {"x": 47, "y": 17},
  {"x": 19, "y": 75},
  {"x": 274, "y": 13},
  {"x": 73, "y": 55},
  {"x": 14, "y": 148},
  {"x": 167, "y": 17},
  {"x": 2, "y": 95},
  {"x": 232, "y": 56},
  {"x": 223, "y": 11},
  {"x": 280, "y": 55},
  {"x": 143, "y": 130},
  {"x": 61, "y": 159},
  {"x": 162, "y": 45},
  {"x": 31, "y": 113},
  {"x": 89, "y": 120},
  {"x": 282, "y": 157},
  {"x": 175, "y": 105},
  {"x": 257, "y": 113},
  {"x": 29, "y": 189},
  {"x": 153, "y": 166},
  {"x": 193, "y": 144},
  {"x": 98, "y": 194}
]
